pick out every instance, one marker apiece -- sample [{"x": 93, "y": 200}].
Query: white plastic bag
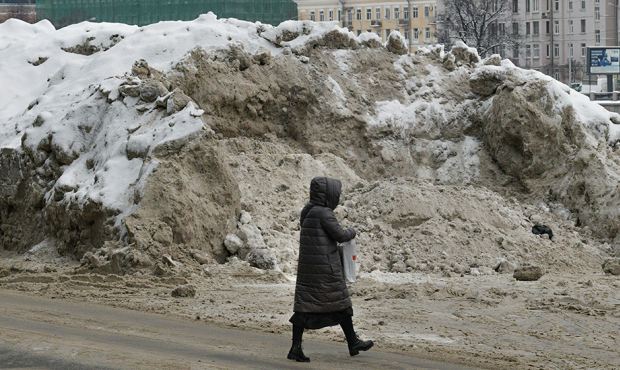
[{"x": 349, "y": 260}]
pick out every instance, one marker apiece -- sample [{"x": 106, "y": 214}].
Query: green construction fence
[{"x": 141, "y": 12}]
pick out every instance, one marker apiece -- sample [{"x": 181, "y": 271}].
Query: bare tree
[{"x": 483, "y": 24}]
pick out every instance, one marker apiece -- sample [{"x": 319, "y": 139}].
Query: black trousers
[{"x": 346, "y": 325}]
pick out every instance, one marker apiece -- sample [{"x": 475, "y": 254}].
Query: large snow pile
[{"x": 196, "y": 141}]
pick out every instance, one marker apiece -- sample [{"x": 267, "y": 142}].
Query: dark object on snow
[
  {"x": 184, "y": 291},
  {"x": 528, "y": 273},
  {"x": 542, "y": 229}
]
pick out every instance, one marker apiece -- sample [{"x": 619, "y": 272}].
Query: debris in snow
[
  {"x": 528, "y": 273},
  {"x": 397, "y": 44},
  {"x": 184, "y": 291},
  {"x": 542, "y": 229},
  {"x": 233, "y": 243},
  {"x": 612, "y": 266},
  {"x": 504, "y": 267}
]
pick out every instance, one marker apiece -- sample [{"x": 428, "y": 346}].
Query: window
[
  {"x": 427, "y": 33},
  {"x": 571, "y": 26},
  {"x": 535, "y": 28},
  {"x": 535, "y": 5},
  {"x": 415, "y": 12},
  {"x": 583, "y": 26},
  {"x": 387, "y": 13},
  {"x": 583, "y": 4},
  {"x": 331, "y": 15},
  {"x": 548, "y": 50},
  {"x": 515, "y": 6},
  {"x": 556, "y": 27},
  {"x": 312, "y": 16},
  {"x": 406, "y": 35},
  {"x": 557, "y": 5},
  {"x": 377, "y": 13},
  {"x": 427, "y": 12},
  {"x": 322, "y": 16},
  {"x": 339, "y": 15},
  {"x": 583, "y": 50},
  {"x": 515, "y": 28},
  {"x": 527, "y": 8},
  {"x": 502, "y": 29},
  {"x": 406, "y": 13},
  {"x": 368, "y": 14},
  {"x": 416, "y": 33},
  {"x": 350, "y": 16},
  {"x": 536, "y": 51},
  {"x": 556, "y": 50},
  {"x": 570, "y": 50},
  {"x": 548, "y": 27},
  {"x": 396, "y": 13},
  {"x": 527, "y": 28},
  {"x": 570, "y": 4},
  {"x": 597, "y": 13},
  {"x": 556, "y": 75},
  {"x": 358, "y": 14},
  {"x": 528, "y": 51},
  {"x": 515, "y": 52},
  {"x": 597, "y": 36}
]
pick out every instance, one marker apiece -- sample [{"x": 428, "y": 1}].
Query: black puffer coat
[{"x": 320, "y": 280}]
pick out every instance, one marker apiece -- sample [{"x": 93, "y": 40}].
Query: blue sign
[{"x": 604, "y": 60}]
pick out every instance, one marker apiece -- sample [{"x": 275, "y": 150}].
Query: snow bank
[
  {"x": 87, "y": 107},
  {"x": 53, "y": 81}
]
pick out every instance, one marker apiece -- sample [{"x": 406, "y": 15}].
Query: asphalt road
[{"x": 44, "y": 333}]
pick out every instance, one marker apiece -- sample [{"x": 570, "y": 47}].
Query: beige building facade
[{"x": 414, "y": 19}]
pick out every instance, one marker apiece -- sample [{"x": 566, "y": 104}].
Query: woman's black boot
[
  {"x": 355, "y": 343},
  {"x": 359, "y": 345},
  {"x": 296, "y": 353}
]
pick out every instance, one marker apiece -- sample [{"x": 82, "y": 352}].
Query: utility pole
[
  {"x": 617, "y": 35},
  {"x": 409, "y": 36},
  {"x": 552, "y": 38}
]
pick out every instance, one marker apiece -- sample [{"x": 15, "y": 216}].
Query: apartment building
[
  {"x": 554, "y": 34},
  {"x": 415, "y": 19}
]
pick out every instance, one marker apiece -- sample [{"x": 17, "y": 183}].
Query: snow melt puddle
[
  {"x": 434, "y": 338},
  {"x": 396, "y": 278}
]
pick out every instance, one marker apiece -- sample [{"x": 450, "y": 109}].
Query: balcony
[
  {"x": 403, "y": 22},
  {"x": 376, "y": 23}
]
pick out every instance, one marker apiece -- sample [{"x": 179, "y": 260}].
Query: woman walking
[{"x": 321, "y": 295}]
